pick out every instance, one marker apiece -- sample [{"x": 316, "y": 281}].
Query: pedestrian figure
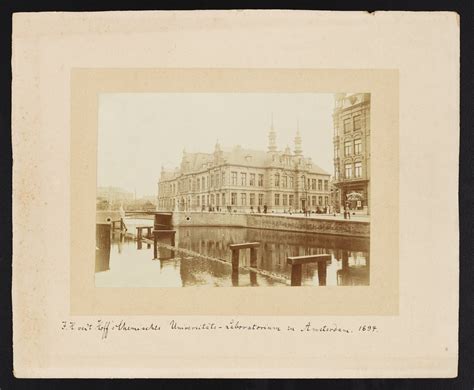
[{"x": 264, "y": 208}]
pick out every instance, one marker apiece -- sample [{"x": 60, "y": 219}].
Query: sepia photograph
[
  {"x": 164, "y": 168},
  {"x": 233, "y": 189}
]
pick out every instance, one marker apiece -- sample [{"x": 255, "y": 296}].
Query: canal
[{"x": 203, "y": 258}]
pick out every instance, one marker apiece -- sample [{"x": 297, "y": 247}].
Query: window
[
  {"x": 277, "y": 199},
  {"x": 234, "y": 178},
  {"x": 358, "y": 146},
  {"x": 203, "y": 200},
  {"x": 358, "y": 169},
  {"x": 223, "y": 199},
  {"x": 320, "y": 185},
  {"x": 217, "y": 179},
  {"x": 285, "y": 181},
  {"x": 252, "y": 179},
  {"x": 277, "y": 180},
  {"x": 212, "y": 181},
  {"x": 313, "y": 184},
  {"x": 198, "y": 184},
  {"x": 243, "y": 179},
  {"x": 217, "y": 199},
  {"x": 357, "y": 124},
  {"x": 290, "y": 200},
  {"x": 313, "y": 200},
  {"x": 309, "y": 184},
  {"x": 347, "y": 125},
  {"x": 223, "y": 178},
  {"x": 347, "y": 148},
  {"x": 203, "y": 183},
  {"x": 285, "y": 200},
  {"x": 252, "y": 199},
  {"x": 197, "y": 200},
  {"x": 260, "y": 180},
  {"x": 326, "y": 185},
  {"x": 348, "y": 171},
  {"x": 243, "y": 199},
  {"x": 233, "y": 198},
  {"x": 212, "y": 200},
  {"x": 326, "y": 200},
  {"x": 320, "y": 200},
  {"x": 291, "y": 182},
  {"x": 260, "y": 199}
]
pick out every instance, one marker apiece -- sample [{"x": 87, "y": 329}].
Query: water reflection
[
  {"x": 122, "y": 265},
  {"x": 349, "y": 263}
]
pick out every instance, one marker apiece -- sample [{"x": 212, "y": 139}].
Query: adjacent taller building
[
  {"x": 245, "y": 179},
  {"x": 351, "y": 140}
]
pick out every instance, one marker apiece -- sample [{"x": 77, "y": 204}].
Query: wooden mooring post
[
  {"x": 235, "y": 248},
  {"x": 121, "y": 225},
  {"x": 157, "y": 234},
  {"x": 297, "y": 262},
  {"x": 140, "y": 231},
  {"x": 140, "y": 235}
]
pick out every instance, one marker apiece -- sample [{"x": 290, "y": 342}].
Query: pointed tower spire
[
  {"x": 218, "y": 154},
  {"x": 272, "y": 138},
  {"x": 298, "y": 143}
]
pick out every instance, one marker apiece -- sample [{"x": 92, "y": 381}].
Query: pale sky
[{"x": 140, "y": 132}]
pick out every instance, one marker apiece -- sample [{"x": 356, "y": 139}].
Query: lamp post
[{"x": 305, "y": 192}]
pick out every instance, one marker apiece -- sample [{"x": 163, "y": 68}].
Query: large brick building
[
  {"x": 245, "y": 180},
  {"x": 351, "y": 139}
]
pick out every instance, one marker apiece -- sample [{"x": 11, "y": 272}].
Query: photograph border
[{"x": 379, "y": 298}]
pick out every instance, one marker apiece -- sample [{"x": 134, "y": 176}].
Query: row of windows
[
  {"x": 348, "y": 145},
  {"x": 288, "y": 200},
  {"x": 214, "y": 180},
  {"x": 357, "y": 147},
  {"x": 348, "y": 174},
  {"x": 253, "y": 200},
  {"x": 353, "y": 123},
  {"x": 199, "y": 184},
  {"x": 243, "y": 199},
  {"x": 253, "y": 179}
]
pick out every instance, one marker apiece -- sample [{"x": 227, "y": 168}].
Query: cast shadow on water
[{"x": 121, "y": 261}]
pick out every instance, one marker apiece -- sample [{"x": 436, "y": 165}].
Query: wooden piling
[
  {"x": 103, "y": 243},
  {"x": 296, "y": 274},
  {"x": 235, "y": 260},
  {"x": 156, "y": 234},
  {"x": 139, "y": 233},
  {"x": 253, "y": 257},
  {"x": 322, "y": 271},
  {"x": 235, "y": 249},
  {"x": 298, "y": 261}
]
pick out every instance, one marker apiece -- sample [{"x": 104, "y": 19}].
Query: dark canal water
[{"x": 130, "y": 264}]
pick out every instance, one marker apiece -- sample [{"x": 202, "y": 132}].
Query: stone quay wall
[{"x": 274, "y": 222}]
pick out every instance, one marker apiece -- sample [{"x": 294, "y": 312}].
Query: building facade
[
  {"x": 245, "y": 180},
  {"x": 351, "y": 140}
]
